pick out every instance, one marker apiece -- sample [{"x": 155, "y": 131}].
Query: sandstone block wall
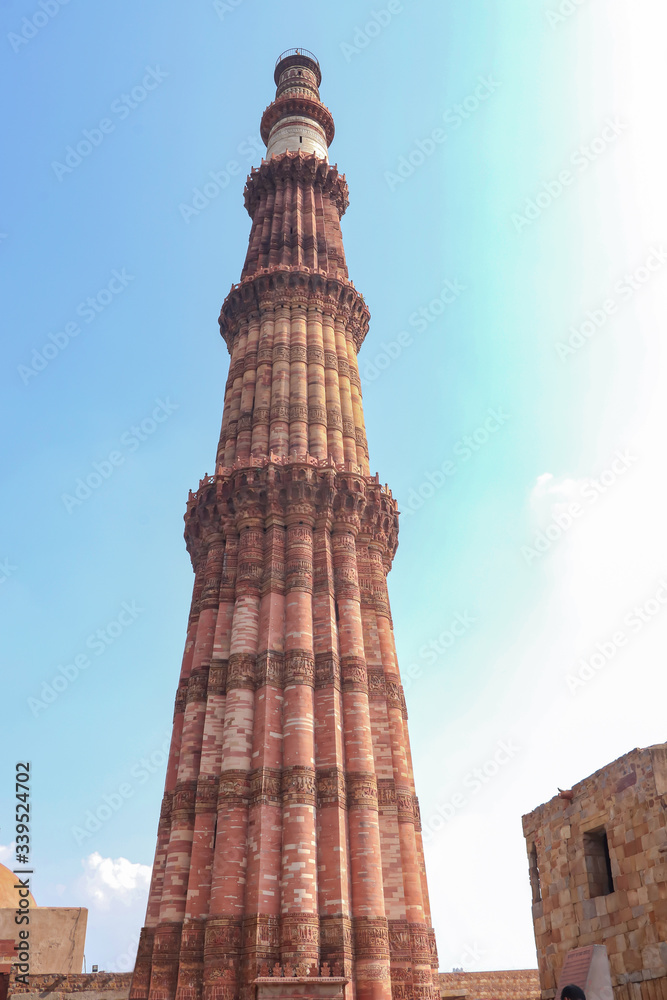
[{"x": 597, "y": 860}]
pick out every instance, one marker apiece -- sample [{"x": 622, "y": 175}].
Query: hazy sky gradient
[{"x": 580, "y": 94}]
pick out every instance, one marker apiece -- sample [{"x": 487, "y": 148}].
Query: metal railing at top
[{"x": 297, "y": 52}]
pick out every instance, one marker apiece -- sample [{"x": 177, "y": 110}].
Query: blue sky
[{"x": 516, "y": 280}]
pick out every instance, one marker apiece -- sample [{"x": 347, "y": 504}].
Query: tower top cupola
[{"x": 297, "y": 120}]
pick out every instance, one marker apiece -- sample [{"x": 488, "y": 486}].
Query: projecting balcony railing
[{"x": 296, "y": 52}]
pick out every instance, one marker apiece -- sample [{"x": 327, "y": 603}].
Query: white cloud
[
  {"x": 114, "y": 880},
  {"x": 6, "y": 852}
]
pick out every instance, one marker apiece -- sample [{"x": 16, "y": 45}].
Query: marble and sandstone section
[
  {"x": 598, "y": 868},
  {"x": 289, "y": 857},
  {"x": 517, "y": 984}
]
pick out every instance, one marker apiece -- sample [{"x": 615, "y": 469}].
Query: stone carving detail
[
  {"x": 265, "y": 786},
  {"x": 167, "y": 939},
  {"x": 331, "y": 787},
  {"x": 233, "y": 788},
  {"x": 300, "y": 935},
  {"x": 281, "y": 352},
  {"x": 315, "y": 355},
  {"x": 269, "y": 669},
  {"x": 298, "y": 785},
  {"x": 181, "y": 693},
  {"x": 417, "y": 817},
  {"x": 405, "y": 805},
  {"x": 298, "y": 353},
  {"x": 207, "y": 793},
  {"x": 394, "y": 692},
  {"x": 165, "y": 810},
  {"x": 343, "y": 368},
  {"x": 217, "y": 677},
  {"x": 298, "y": 411},
  {"x": 279, "y": 411},
  {"x": 399, "y": 946},
  {"x": 183, "y": 803},
  {"x": 336, "y": 934},
  {"x": 371, "y": 937},
  {"x": 362, "y": 791},
  {"x": 192, "y": 941},
  {"x": 327, "y": 670},
  {"x": 387, "y": 797},
  {"x": 353, "y": 673},
  {"x": 241, "y": 672},
  {"x": 261, "y": 416},
  {"x": 317, "y": 415},
  {"x": 349, "y": 429},
  {"x": 222, "y": 936},
  {"x": 331, "y": 360},
  {"x": 376, "y": 688},
  {"x": 261, "y": 932},
  {"x": 419, "y": 943},
  {"x": 299, "y": 667},
  {"x": 433, "y": 948},
  {"x": 421, "y": 976},
  {"x": 373, "y": 973},
  {"x": 197, "y": 685}
]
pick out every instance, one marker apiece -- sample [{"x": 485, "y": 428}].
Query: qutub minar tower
[{"x": 289, "y": 858}]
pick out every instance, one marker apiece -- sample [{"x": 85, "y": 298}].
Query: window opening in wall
[
  {"x": 300, "y": 138},
  {"x": 534, "y": 873},
  {"x": 598, "y": 863}
]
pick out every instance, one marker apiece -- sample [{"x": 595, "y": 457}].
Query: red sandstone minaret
[{"x": 289, "y": 859}]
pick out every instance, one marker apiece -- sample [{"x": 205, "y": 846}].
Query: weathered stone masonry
[
  {"x": 597, "y": 858},
  {"x": 289, "y": 840}
]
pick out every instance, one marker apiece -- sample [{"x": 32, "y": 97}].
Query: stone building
[
  {"x": 598, "y": 869},
  {"x": 289, "y": 856},
  {"x": 56, "y": 935}
]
